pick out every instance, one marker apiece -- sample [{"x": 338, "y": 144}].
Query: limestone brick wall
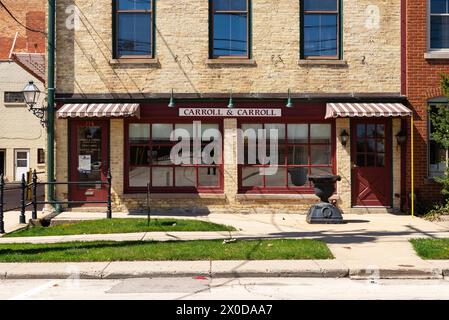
[
  {"x": 344, "y": 164},
  {"x": 116, "y": 159},
  {"x": 230, "y": 160},
  {"x": 62, "y": 150},
  {"x": 371, "y": 48}
]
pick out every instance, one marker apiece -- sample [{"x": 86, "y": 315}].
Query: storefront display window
[
  {"x": 303, "y": 149},
  {"x": 149, "y": 160}
]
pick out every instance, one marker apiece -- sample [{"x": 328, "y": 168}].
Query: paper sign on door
[{"x": 84, "y": 164}]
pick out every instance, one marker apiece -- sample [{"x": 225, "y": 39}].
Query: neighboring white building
[{"x": 22, "y": 138}]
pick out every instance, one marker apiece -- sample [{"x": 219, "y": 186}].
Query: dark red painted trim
[
  {"x": 74, "y": 193},
  {"x": 388, "y": 158},
  {"x": 303, "y": 111},
  {"x": 404, "y": 47}
]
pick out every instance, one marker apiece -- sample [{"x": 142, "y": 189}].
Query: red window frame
[
  {"x": 308, "y": 189},
  {"x": 171, "y": 189}
]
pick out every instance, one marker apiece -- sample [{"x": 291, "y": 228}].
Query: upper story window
[
  {"x": 229, "y": 28},
  {"x": 320, "y": 24},
  {"x": 134, "y": 28},
  {"x": 14, "y": 97},
  {"x": 439, "y": 24}
]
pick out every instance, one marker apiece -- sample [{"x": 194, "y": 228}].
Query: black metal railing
[{"x": 24, "y": 187}]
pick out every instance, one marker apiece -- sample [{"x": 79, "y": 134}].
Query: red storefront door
[
  {"x": 371, "y": 163},
  {"x": 89, "y": 160}
]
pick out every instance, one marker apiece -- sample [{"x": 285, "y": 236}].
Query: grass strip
[
  {"x": 128, "y": 225},
  {"x": 432, "y": 249},
  {"x": 282, "y": 249}
]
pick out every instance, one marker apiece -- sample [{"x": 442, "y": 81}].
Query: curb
[
  {"x": 189, "y": 269},
  {"x": 181, "y": 274},
  {"x": 421, "y": 274},
  {"x": 340, "y": 274}
]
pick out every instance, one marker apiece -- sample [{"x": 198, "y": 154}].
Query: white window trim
[
  {"x": 429, "y": 138},
  {"x": 434, "y": 53}
]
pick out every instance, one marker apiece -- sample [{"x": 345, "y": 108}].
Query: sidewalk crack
[{"x": 103, "y": 270}]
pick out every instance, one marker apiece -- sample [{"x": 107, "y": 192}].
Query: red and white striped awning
[
  {"x": 337, "y": 110},
  {"x": 100, "y": 110}
]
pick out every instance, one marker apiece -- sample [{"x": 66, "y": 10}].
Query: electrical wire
[{"x": 17, "y": 20}]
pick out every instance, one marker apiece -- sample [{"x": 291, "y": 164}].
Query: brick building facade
[
  {"x": 423, "y": 69},
  {"x": 14, "y": 17},
  {"x": 128, "y": 73}
]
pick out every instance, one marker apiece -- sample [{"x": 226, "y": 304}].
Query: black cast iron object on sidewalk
[{"x": 324, "y": 212}]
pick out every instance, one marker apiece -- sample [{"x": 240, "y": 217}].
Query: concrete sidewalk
[
  {"x": 11, "y": 219},
  {"x": 366, "y": 244}
]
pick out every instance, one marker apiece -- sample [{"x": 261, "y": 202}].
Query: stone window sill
[
  {"x": 137, "y": 61},
  {"x": 434, "y": 55},
  {"x": 220, "y": 62},
  {"x": 15, "y": 104},
  {"x": 318, "y": 62},
  {"x": 162, "y": 196}
]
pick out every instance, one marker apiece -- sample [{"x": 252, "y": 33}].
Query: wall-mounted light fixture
[
  {"x": 401, "y": 137},
  {"x": 231, "y": 102},
  {"x": 31, "y": 94},
  {"x": 289, "y": 100},
  {"x": 344, "y": 136},
  {"x": 172, "y": 103}
]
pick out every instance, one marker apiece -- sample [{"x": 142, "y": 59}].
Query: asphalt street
[
  {"x": 13, "y": 197},
  {"x": 223, "y": 289}
]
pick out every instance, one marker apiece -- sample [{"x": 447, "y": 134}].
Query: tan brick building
[{"x": 130, "y": 72}]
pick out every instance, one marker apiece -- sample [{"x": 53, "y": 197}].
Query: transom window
[
  {"x": 439, "y": 24},
  {"x": 229, "y": 28},
  {"x": 149, "y": 161},
  {"x": 320, "y": 29},
  {"x": 303, "y": 149},
  {"x": 134, "y": 28}
]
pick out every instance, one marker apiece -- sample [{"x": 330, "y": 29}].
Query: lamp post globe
[{"x": 31, "y": 94}]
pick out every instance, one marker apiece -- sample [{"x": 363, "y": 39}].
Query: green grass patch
[
  {"x": 284, "y": 249},
  {"x": 129, "y": 225},
  {"x": 431, "y": 248}
]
